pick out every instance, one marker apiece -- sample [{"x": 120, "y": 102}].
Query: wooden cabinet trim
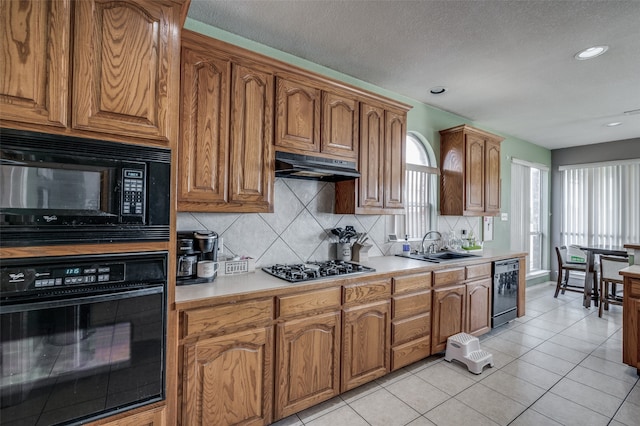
[
  {"x": 410, "y": 304},
  {"x": 448, "y": 276},
  {"x": 478, "y": 271},
  {"x": 366, "y": 292},
  {"x": 227, "y": 317},
  {"x": 312, "y": 301},
  {"x": 409, "y": 283},
  {"x": 411, "y": 328},
  {"x": 410, "y": 352}
]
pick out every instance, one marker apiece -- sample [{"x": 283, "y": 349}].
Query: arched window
[{"x": 420, "y": 188}]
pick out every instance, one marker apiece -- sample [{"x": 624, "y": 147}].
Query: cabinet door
[
  {"x": 478, "y": 307},
  {"x": 492, "y": 178},
  {"x": 631, "y": 323},
  {"x": 203, "y": 150},
  {"x": 448, "y": 315},
  {"x": 339, "y": 130},
  {"x": 34, "y": 47},
  {"x": 228, "y": 380},
  {"x": 251, "y": 174},
  {"x": 372, "y": 156},
  {"x": 394, "y": 164},
  {"x": 474, "y": 173},
  {"x": 307, "y": 362},
  {"x": 297, "y": 116},
  {"x": 126, "y": 68},
  {"x": 366, "y": 342}
]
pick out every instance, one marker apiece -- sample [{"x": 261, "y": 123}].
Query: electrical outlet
[
  {"x": 220, "y": 246},
  {"x": 504, "y": 217}
]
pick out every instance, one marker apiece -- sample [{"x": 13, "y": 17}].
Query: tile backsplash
[{"x": 299, "y": 229}]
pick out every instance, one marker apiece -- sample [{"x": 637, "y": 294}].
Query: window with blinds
[
  {"x": 420, "y": 189},
  {"x": 601, "y": 203}
]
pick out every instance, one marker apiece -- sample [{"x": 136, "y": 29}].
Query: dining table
[{"x": 591, "y": 252}]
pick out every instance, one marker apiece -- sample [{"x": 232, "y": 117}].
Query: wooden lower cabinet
[
  {"x": 366, "y": 342},
  {"x": 308, "y": 362},
  {"x": 448, "y": 315},
  {"x": 228, "y": 380},
  {"x": 478, "y": 307},
  {"x": 631, "y": 322}
]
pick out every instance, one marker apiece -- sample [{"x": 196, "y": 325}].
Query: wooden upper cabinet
[
  {"x": 124, "y": 76},
  {"x": 251, "y": 170},
  {"x": 339, "y": 129},
  {"x": 226, "y": 145},
  {"x": 395, "y": 159},
  {"x": 372, "y": 155},
  {"x": 204, "y": 146},
  {"x": 35, "y": 50},
  {"x": 297, "y": 116},
  {"x": 474, "y": 173},
  {"x": 492, "y": 177},
  {"x": 470, "y": 172},
  {"x": 380, "y": 188}
]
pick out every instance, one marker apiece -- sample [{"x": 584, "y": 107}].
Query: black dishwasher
[{"x": 505, "y": 292}]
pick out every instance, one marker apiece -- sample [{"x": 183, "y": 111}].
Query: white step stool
[{"x": 465, "y": 348}]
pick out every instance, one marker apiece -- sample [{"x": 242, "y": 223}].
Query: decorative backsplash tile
[{"x": 299, "y": 229}]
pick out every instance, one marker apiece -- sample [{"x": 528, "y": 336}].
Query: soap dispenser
[{"x": 406, "y": 247}]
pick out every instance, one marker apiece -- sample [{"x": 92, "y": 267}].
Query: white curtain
[
  {"x": 601, "y": 203},
  {"x": 520, "y": 208}
]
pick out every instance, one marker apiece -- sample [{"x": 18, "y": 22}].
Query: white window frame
[
  {"x": 398, "y": 223},
  {"x": 521, "y": 209}
]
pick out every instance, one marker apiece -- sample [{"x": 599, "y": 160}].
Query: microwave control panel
[{"x": 133, "y": 194}]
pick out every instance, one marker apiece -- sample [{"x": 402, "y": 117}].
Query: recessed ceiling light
[
  {"x": 437, "y": 90},
  {"x": 614, "y": 124},
  {"x": 591, "y": 52}
]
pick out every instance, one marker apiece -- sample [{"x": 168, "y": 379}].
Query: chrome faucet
[{"x": 432, "y": 247}]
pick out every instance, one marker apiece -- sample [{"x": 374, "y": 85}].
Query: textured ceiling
[{"x": 508, "y": 65}]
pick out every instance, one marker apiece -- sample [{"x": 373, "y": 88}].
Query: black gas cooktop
[{"x": 314, "y": 270}]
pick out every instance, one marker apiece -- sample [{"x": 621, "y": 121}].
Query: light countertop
[{"x": 259, "y": 283}]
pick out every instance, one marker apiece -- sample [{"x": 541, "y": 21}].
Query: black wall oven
[
  {"x": 81, "y": 337},
  {"x": 64, "y": 190}
]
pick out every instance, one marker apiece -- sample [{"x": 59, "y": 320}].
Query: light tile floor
[{"x": 558, "y": 365}]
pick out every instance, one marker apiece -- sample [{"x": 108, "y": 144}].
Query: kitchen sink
[{"x": 441, "y": 257}]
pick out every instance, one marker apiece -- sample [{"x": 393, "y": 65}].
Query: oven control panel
[
  {"x": 20, "y": 277},
  {"x": 39, "y": 277}
]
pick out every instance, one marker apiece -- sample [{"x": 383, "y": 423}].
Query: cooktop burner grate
[{"x": 314, "y": 270}]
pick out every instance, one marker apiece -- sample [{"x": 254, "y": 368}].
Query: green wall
[{"x": 421, "y": 118}]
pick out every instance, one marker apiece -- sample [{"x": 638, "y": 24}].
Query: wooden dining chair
[
  {"x": 564, "y": 272},
  {"x": 610, "y": 267}
]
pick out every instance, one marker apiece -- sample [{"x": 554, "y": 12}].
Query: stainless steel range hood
[{"x": 309, "y": 167}]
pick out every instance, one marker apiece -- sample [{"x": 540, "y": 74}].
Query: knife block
[{"x": 360, "y": 252}]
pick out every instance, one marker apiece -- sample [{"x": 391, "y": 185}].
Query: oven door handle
[{"x": 82, "y": 300}]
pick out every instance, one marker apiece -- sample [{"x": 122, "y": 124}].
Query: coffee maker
[{"x": 194, "y": 247}]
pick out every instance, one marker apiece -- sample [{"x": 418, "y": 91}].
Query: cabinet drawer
[
  {"x": 448, "y": 276},
  {"x": 411, "y": 328},
  {"x": 477, "y": 271},
  {"x": 410, "y": 352},
  {"x": 411, "y": 304},
  {"x": 634, "y": 287},
  {"x": 367, "y": 292},
  {"x": 225, "y": 317},
  {"x": 308, "y": 302},
  {"x": 410, "y": 283}
]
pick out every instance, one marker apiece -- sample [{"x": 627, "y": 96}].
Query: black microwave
[{"x": 65, "y": 190}]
